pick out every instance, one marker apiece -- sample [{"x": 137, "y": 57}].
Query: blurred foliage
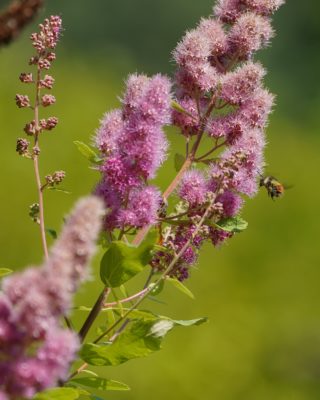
[{"x": 260, "y": 291}]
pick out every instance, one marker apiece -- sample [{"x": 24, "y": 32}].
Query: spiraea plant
[{"x": 217, "y": 93}]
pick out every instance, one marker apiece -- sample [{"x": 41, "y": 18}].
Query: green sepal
[{"x": 88, "y": 153}]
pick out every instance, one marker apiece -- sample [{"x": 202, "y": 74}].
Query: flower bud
[
  {"x": 26, "y": 77},
  {"x": 30, "y": 128},
  {"x": 22, "y": 146},
  {"x": 49, "y": 123},
  {"x": 22, "y": 101},
  {"x": 47, "y": 82},
  {"x": 47, "y": 100}
]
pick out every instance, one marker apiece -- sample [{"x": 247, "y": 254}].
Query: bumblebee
[{"x": 274, "y": 188}]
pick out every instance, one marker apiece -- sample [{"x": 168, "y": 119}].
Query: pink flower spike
[{"x": 76, "y": 244}]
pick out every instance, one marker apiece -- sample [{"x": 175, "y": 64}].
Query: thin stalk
[
  {"x": 127, "y": 299},
  {"x": 94, "y": 313},
  {"x": 210, "y": 151},
  {"x": 36, "y": 167}
]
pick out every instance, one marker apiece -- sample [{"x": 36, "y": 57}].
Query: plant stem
[
  {"x": 210, "y": 151},
  {"x": 36, "y": 167},
  {"x": 176, "y": 258},
  {"x": 94, "y": 313},
  {"x": 127, "y": 299}
]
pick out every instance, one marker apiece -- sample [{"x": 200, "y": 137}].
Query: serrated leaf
[
  {"x": 142, "y": 338},
  {"x": 180, "y": 286},
  {"x": 101, "y": 383},
  {"x": 234, "y": 224},
  {"x": 5, "y": 271},
  {"x": 178, "y": 161},
  {"x": 87, "y": 152},
  {"x": 52, "y": 233},
  {"x": 63, "y": 393},
  {"x": 122, "y": 261},
  {"x": 136, "y": 342}
]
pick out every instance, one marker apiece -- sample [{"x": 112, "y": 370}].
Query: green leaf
[
  {"x": 178, "y": 161},
  {"x": 63, "y": 393},
  {"x": 122, "y": 261},
  {"x": 81, "y": 391},
  {"x": 190, "y": 322},
  {"x": 180, "y": 286},
  {"x": 142, "y": 338},
  {"x": 101, "y": 383},
  {"x": 5, "y": 271},
  {"x": 234, "y": 224},
  {"x": 52, "y": 233},
  {"x": 157, "y": 288},
  {"x": 86, "y": 151}
]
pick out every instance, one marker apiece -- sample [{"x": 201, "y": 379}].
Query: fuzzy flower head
[
  {"x": 111, "y": 126},
  {"x": 132, "y": 143},
  {"x": 141, "y": 209},
  {"x": 35, "y": 352},
  {"x": 76, "y": 244},
  {"x": 250, "y": 33},
  {"x": 229, "y": 10},
  {"x": 240, "y": 85},
  {"x": 194, "y": 53},
  {"x": 193, "y": 187}
]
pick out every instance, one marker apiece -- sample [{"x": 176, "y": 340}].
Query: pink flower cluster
[
  {"x": 133, "y": 146},
  {"x": 220, "y": 93},
  {"x": 44, "y": 41},
  {"x": 35, "y": 352}
]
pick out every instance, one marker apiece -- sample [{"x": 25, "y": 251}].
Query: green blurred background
[{"x": 261, "y": 290}]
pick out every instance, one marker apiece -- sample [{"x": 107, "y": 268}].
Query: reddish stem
[
  {"x": 36, "y": 167},
  {"x": 127, "y": 299}
]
